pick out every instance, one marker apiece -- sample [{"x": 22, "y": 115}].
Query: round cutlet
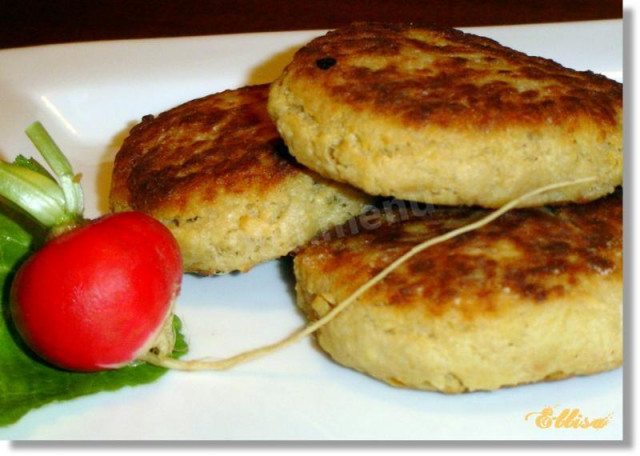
[
  {"x": 445, "y": 117},
  {"x": 216, "y": 172},
  {"x": 535, "y": 295}
]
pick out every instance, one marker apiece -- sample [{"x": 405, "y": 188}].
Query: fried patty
[
  {"x": 445, "y": 117},
  {"x": 533, "y": 296},
  {"x": 216, "y": 172}
]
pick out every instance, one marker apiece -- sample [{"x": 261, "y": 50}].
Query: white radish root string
[{"x": 223, "y": 364}]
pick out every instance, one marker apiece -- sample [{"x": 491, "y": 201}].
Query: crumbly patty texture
[
  {"x": 216, "y": 172},
  {"x": 535, "y": 295},
  {"x": 445, "y": 117}
]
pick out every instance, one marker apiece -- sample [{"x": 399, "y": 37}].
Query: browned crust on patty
[
  {"x": 415, "y": 75},
  {"x": 527, "y": 256},
  {"x": 215, "y": 171},
  {"x": 223, "y": 142}
]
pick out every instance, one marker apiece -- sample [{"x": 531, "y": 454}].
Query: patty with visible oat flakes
[
  {"x": 445, "y": 117},
  {"x": 216, "y": 172},
  {"x": 533, "y": 296}
]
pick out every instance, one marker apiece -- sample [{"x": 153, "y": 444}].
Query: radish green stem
[
  {"x": 53, "y": 203},
  {"x": 34, "y": 193},
  {"x": 60, "y": 165}
]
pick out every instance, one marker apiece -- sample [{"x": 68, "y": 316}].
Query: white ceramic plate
[{"x": 89, "y": 95}]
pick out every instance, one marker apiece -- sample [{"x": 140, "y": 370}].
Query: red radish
[{"x": 99, "y": 294}]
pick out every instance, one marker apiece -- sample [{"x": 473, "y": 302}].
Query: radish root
[{"x": 223, "y": 364}]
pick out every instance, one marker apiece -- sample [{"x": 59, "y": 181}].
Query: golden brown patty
[
  {"x": 535, "y": 295},
  {"x": 444, "y": 117},
  {"x": 215, "y": 171}
]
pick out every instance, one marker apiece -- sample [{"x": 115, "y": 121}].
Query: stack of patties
[
  {"x": 215, "y": 171},
  {"x": 455, "y": 120}
]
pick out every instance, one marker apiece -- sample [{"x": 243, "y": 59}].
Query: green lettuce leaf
[{"x": 26, "y": 382}]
